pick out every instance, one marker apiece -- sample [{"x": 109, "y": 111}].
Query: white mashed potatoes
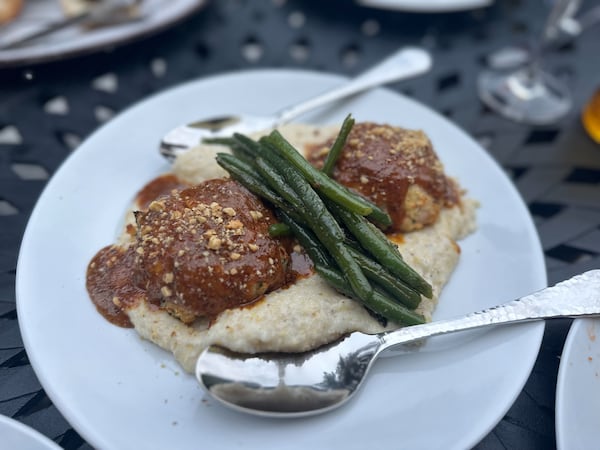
[{"x": 309, "y": 313}]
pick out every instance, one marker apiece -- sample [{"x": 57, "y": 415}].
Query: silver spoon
[
  {"x": 292, "y": 385},
  {"x": 406, "y": 62}
]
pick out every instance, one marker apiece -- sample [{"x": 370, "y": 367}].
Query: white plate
[
  {"x": 427, "y": 6},
  {"x": 17, "y": 435},
  {"x": 158, "y": 14},
  {"x": 121, "y": 392},
  {"x": 578, "y": 388}
]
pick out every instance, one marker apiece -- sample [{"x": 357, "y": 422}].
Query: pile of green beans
[{"x": 334, "y": 225}]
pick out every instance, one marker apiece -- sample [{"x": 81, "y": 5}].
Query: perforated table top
[{"x": 47, "y": 110}]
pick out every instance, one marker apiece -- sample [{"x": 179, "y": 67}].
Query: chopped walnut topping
[
  {"x": 214, "y": 243},
  {"x": 234, "y": 225},
  {"x": 256, "y": 215},
  {"x": 168, "y": 277},
  {"x": 204, "y": 249},
  {"x": 156, "y": 206},
  {"x": 397, "y": 169}
]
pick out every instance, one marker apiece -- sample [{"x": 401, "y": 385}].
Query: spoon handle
[
  {"x": 406, "y": 62},
  {"x": 575, "y": 297}
]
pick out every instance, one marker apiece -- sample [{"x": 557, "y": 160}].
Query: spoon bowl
[
  {"x": 404, "y": 63},
  {"x": 303, "y": 384}
]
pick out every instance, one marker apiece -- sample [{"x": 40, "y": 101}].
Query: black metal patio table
[{"x": 47, "y": 109}]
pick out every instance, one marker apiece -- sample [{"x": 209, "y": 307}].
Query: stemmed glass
[{"x": 529, "y": 94}]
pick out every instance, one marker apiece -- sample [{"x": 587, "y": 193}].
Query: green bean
[
  {"x": 374, "y": 272},
  {"x": 225, "y": 141},
  {"x": 310, "y": 206},
  {"x": 279, "y": 229},
  {"x": 327, "y": 186},
  {"x": 275, "y": 176},
  {"x": 328, "y": 231},
  {"x": 381, "y": 277},
  {"x": 378, "y": 302},
  {"x": 250, "y": 145},
  {"x": 382, "y": 249},
  {"x": 338, "y": 146},
  {"x": 380, "y": 217},
  {"x": 316, "y": 178},
  {"x": 307, "y": 240},
  {"x": 247, "y": 176},
  {"x": 236, "y": 148},
  {"x": 277, "y": 182},
  {"x": 228, "y": 161}
]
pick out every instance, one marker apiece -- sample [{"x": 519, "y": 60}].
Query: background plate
[
  {"x": 427, "y": 6},
  {"x": 121, "y": 392},
  {"x": 16, "y": 435},
  {"x": 578, "y": 388},
  {"x": 72, "y": 41}
]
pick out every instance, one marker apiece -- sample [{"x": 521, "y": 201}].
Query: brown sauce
[
  {"x": 397, "y": 238},
  {"x": 207, "y": 248},
  {"x": 109, "y": 283},
  {"x": 382, "y": 162},
  {"x": 158, "y": 187},
  {"x": 301, "y": 266},
  {"x": 166, "y": 265},
  {"x": 225, "y": 260}
]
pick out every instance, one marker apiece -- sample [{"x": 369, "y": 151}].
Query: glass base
[{"x": 524, "y": 96}]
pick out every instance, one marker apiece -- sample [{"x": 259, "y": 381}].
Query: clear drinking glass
[{"x": 529, "y": 94}]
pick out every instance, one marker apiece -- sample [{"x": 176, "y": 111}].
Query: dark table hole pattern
[
  {"x": 57, "y": 105},
  {"x": 69, "y": 139},
  {"x": 570, "y": 254},
  {"x": 252, "y": 49},
  {"x": 233, "y": 34},
  {"x": 18, "y": 360},
  {"x": 7, "y": 208},
  {"x": 300, "y": 50},
  {"x": 38, "y": 402},
  {"x": 542, "y": 136},
  {"x": 10, "y": 135},
  {"x": 27, "y": 171},
  {"x": 545, "y": 210},
  {"x": 449, "y": 81},
  {"x": 584, "y": 175}
]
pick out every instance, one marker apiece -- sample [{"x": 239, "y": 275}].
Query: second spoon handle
[
  {"x": 406, "y": 62},
  {"x": 575, "y": 297}
]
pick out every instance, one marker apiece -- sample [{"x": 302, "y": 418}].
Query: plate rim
[
  {"x": 574, "y": 335},
  {"x": 32, "y": 434},
  {"x": 418, "y": 6},
  {"x": 537, "y": 327}
]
